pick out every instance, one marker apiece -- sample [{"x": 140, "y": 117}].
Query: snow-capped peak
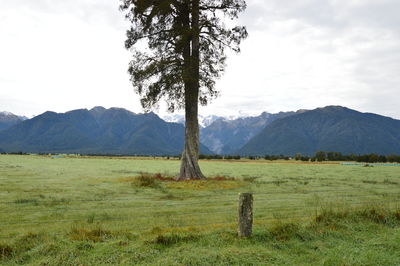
[
  {"x": 6, "y": 113},
  {"x": 174, "y": 118},
  {"x": 204, "y": 121},
  {"x": 10, "y": 116}
]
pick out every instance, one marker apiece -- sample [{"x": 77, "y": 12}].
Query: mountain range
[
  {"x": 225, "y": 136},
  {"x": 95, "y": 131},
  {"x": 333, "y": 128},
  {"x": 118, "y": 131}
]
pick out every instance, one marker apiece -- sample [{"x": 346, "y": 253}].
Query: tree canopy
[{"x": 158, "y": 38}]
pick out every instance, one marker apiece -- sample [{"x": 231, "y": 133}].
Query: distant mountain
[
  {"x": 8, "y": 119},
  {"x": 333, "y": 128},
  {"x": 96, "y": 131},
  {"x": 118, "y": 131},
  {"x": 208, "y": 120},
  {"x": 174, "y": 118},
  {"x": 225, "y": 136},
  {"x": 204, "y": 121}
]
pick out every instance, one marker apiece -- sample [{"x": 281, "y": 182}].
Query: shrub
[
  {"x": 250, "y": 179},
  {"x": 94, "y": 235},
  {"x": 174, "y": 238},
  {"x": 27, "y": 201},
  {"x": 147, "y": 180},
  {"x": 6, "y": 251},
  {"x": 284, "y": 231}
]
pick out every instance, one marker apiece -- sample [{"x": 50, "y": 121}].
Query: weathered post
[{"x": 245, "y": 214}]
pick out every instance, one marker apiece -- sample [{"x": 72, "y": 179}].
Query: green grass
[{"x": 95, "y": 211}]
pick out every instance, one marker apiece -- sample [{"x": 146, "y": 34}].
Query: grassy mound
[{"x": 367, "y": 236}]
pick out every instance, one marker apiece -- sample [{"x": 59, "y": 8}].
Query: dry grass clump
[
  {"x": 89, "y": 234},
  {"x": 6, "y": 251},
  {"x": 221, "y": 178},
  {"x": 147, "y": 180}
]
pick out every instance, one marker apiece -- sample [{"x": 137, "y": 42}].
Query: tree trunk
[{"x": 190, "y": 168}]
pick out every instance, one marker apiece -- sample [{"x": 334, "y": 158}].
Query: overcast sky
[{"x": 61, "y": 55}]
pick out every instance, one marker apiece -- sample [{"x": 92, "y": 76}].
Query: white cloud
[
  {"x": 301, "y": 54},
  {"x": 304, "y": 54},
  {"x": 56, "y": 60}
]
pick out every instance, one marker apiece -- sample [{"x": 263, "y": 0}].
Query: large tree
[{"x": 178, "y": 51}]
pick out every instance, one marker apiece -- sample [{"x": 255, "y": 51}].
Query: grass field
[{"x": 93, "y": 211}]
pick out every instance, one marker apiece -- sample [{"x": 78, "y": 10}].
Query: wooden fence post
[{"x": 245, "y": 225}]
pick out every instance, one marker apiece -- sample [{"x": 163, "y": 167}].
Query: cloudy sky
[{"x": 61, "y": 55}]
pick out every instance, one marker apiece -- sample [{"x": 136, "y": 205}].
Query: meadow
[{"x": 72, "y": 210}]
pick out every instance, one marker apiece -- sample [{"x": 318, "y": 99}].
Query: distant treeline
[
  {"x": 319, "y": 156},
  {"x": 219, "y": 157},
  {"x": 238, "y": 157}
]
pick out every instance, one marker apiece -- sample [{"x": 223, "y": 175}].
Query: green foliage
[
  {"x": 320, "y": 156},
  {"x": 186, "y": 41},
  {"x": 393, "y": 158},
  {"x": 375, "y": 158},
  {"x": 367, "y": 158},
  {"x": 276, "y": 157},
  {"x": 219, "y": 157}
]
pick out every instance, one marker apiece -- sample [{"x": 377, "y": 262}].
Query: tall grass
[{"x": 95, "y": 211}]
